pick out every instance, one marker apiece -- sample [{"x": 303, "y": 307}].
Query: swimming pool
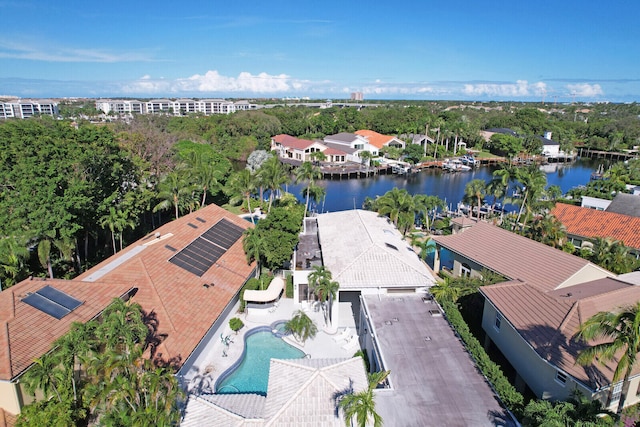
[{"x": 250, "y": 374}]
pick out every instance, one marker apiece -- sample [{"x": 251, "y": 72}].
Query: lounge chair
[
  {"x": 342, "y": 335},
  {"x": 352, "y": 343}
]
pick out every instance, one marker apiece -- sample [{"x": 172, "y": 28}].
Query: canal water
[{"x": 350, "y": 193}]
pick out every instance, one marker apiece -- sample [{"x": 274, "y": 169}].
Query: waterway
[{"x": 351, "y": 193}]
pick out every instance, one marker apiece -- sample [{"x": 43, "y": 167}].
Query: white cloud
[
  {"x": 50, "y": 53},
  {"x": 518, "y": 89},
  {"x": 585, "y": 90}
]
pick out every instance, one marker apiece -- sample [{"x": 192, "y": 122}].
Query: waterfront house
[
  {"x": 532, "y": 316},
  {"x": 585, "y": 225},
  {"x": 290, "y": 147},
  {"x": 626, "y": 204},
  {"x": 379, "y": 141},
  {"x": 352, "y": 144}
]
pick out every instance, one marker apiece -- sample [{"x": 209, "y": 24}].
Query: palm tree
[
  {"x": 273, "y": 175},
  {"x": 12, "y": 257},
  {"x": 307, "y": 172},
  {"x": 241, "y": 186},
  {"x": 172, "y": 192},
  {"x": 613, "y": 255},
  {"x": 360, "y": 408},
  {"x": 44, "y": 255},
  {"x": 316, "y": 193},
  {"x": 475, "y": 190},
  {"x": 532, "y": 182},
  {"x": 621, "y": 332},
  {"x": 326, "y": 289},
  {"x": 317, "y": 275},
  {"x": 301, "y": 326},
  {"x": 398, "y": 205},
  {"x": 424, "y": 204},
  {"x": 549, "y": 230},
  {"x": 252, "y": 245}
]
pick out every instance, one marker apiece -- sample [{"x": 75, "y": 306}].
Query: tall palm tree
[
  {"x": 424, "y": 204},
  {"x": 172, "y": 192},
  {"x": 253, "y": 247},
  {"x": 241, "y": 186},
  {"x": 549, "y": 230},
  {"x": 398, "y": 205},
  {"x": 360, "y": 408},
  {"x": 475, "y": 190},
  {"x": 273, "y": 175},
  {"x": 307, "y": 172},
  {"x": 316, "y": 193},
  {"x": 532, "y": 183},
  {"x": 621, "y": 333},
  {"x": 327, "y": 290},
  {"x": 318, "y": 274}
]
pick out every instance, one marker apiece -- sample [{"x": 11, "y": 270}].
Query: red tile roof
[
  {"x": 27, "y": 333},
  {"x": 517, "y": 257},
  {"x": 376, "y": 139},
  {"x": 591, "y": 223},
  {"x": 548, "y": 321},
  {"x": 185, "y": 308},
  {"x": 292, "y": 142}
]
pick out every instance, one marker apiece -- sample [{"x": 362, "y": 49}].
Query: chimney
[{"x": 547, "y": 134}]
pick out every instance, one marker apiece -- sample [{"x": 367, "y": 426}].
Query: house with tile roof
[
  {"x": 584, "y": 225},
  {"x": 299, "y": 391},
  {"x": 481, "y": 246},
  {"x": 28, "y": 332},
  {"x": 378, "y": 140},
  {"x": 290, "y": 147},
  {"x": 186, "y": 275},
  {"x": 536, "y": 331},
  {"x": 533, "y": 317},
  {"x": 352, "y": 144}
]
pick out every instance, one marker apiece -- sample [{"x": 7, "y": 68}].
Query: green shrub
[
  {"x": 236, "y": 324},
  {"x": 512, "y": 399},
  {"x": 289, "y": 287}
]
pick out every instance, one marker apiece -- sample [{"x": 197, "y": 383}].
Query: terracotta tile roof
[
  {"x": 376, "y": 139},
  {"x": 548, "y": 321},
  {"x": 517, "y": 257},
  {"x": 26, "y": 333},
  {"x": 334, "y": 151},
  {"x": 591, "y": 223},
  {"x": 292, "y": 142},
  {"x": 185, "y": 308}
]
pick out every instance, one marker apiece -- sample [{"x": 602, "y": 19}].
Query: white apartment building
[
  {"x": 25, "y": 108},
  {"x": 177, "y": 107}
]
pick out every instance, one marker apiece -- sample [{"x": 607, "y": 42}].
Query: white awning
[{"x": 270, "y": 294}]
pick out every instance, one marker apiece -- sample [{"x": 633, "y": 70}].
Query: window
[
  {"x": 617, "y": 392},
  {"x": 561, "y": 377},
  {"x": 498, "y": 321},
  {"x": 465, "y": 270}
]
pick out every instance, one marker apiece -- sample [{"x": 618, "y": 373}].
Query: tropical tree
[
  {"x": 618, "y": 337},
  {"x": 173, "y": 191},
  {"x": 423, "y": 204},
  {"x": 252, "y": 243},
  {"x": 398, "y": 205},
  {"x": 320, "y": 280},
  {"x": 360, "y": 408},
  {"x": 549, "y": 230},
  {"x": 307, "y": 172},
  {"x": 532, "y": 182},
  {"x": 475, "y": 191},
  {"x": 316, "y": 193},
  {"x": 301, "y": 326},
  {"x": 273, "y": 175},
  {"x": 613, "y": 255},
  {"x": 12, "y": 257},
  {"x": 242, "y": 185}
]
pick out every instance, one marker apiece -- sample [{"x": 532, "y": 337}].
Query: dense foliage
[{"x": 96, "y": 373}]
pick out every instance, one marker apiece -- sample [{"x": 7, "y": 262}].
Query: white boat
[
  {"x": 469, "y": 160},
  {"x": 455, "y": 165}
]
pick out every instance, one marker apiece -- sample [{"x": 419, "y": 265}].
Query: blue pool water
[{"x": 252, "y": 375}]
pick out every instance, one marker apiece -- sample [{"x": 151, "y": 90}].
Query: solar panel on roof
[
  {"x": 202, "y": 253},
  {"x": 52, "y": 302},
  {"x": 58, "y": 297}
]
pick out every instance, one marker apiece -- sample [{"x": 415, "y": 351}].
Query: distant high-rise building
[
  {"x": 357, "y": 96},
  {"x": 178, "y": 107}
]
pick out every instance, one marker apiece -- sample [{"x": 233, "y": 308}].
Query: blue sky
[{"x": 458, "y": 50}]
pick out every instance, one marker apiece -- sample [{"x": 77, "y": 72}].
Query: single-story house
[{"x": 195, "y": 264}]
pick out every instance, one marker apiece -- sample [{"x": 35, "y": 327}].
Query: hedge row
[{"x": 508, "y": 394}]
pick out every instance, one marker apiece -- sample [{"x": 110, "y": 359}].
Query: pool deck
[{"x": 323, "y": 345}]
